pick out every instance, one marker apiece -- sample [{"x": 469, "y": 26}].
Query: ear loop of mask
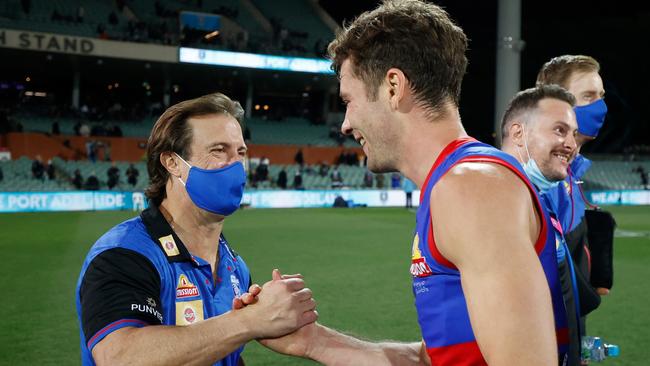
[
  {"x": 525, "y": 145},
  {"x": 188, "y": 164}
]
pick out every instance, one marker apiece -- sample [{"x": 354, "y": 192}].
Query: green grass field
[{"x": 355, "y": 261}]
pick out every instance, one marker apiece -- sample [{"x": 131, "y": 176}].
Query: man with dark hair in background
[
  {"x": 171, "y": 266},
  {"x": 539, "y": 129},
  {"x": 113, "y": 175},
  {"x": 486, "y": 289}
]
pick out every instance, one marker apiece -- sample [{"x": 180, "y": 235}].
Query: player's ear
[
  {"x": 516, "y": 133},
  {"x": 397, "y": 85},
  {"x": 171, "y": 162}
]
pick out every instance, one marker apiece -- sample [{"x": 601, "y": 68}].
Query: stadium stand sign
[
  {"x": 71, "y": 201},
  {"x": 623, "y": 197},
  {"x": 51, "y": 42}
]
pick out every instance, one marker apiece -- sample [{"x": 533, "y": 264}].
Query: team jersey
[
  {"x": 140, "y": 273},
  {"x": 439, "y": 299},
  {"x": 568, "y": 198}
]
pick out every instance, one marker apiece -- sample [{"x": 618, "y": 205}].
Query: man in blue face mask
[
  {"x": 539, "y": 129},
  {"x": 148, "y": 278},
  {"x": 579, "y": 74}
]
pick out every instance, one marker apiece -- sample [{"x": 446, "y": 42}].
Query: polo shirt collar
[{"x": 163, "y": 235}]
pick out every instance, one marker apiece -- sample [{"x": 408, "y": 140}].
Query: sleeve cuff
[{"x": 113, "y": 327}]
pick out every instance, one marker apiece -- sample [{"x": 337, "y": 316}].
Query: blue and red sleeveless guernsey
[{"x": 439, "y": 299}]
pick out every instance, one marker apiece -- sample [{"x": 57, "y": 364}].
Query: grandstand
[{"x": 105, "y": 98}]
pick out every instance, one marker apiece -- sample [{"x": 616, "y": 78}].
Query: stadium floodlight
[{"x": 254, "y": 61}]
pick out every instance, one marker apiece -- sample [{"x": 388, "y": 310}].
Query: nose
[
  {"x": 346, "y": 129},
  {"x": 570, "y": 142}
]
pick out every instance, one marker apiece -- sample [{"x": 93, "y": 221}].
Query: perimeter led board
[{"x": 254, "y": 61}]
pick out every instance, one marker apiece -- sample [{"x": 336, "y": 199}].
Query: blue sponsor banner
[
  {"x": 622, "y": 197},
  {"x": 71, "y": 201}
]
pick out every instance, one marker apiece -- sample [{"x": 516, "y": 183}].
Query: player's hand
[
  {"x": 602, "y": 291},
  {"x": 247, "y": 298},
  {"x": 298, "y": 343},
  {"x": 283, "y": 306}
]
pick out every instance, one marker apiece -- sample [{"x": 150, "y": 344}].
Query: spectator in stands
[
  {"x": 55, "y": 128},
  {"x": 107, "y": 150},
  {"x": 113, "y": 175},
  {"x": 50, "y": 170},
  {"x": 408, "y": 187},
  {"x": 395, "y": 180},
  {"x": 368, "y": 179},
  {"x": 77, "y": 179},
  {"x": 323, "y": 169},
  {"x": 299, "y": 158},
  {"x": 380, "y": 181},
  {"x": 91, "y": 150},
  {"x": 38, "y": 170},
  {"x": 262, "y": 170},
  {"x": 92, "y": 183},
  {"x": 297, "y": 180},
  {"x": 351, "y": 158},
  {"x": 335, "y": 176},
  {"x": 282, "y": 179},
  {"x": 132, "y": 175},
  {"x": 2, "y": 175},
  {"x": 643, "y": 174}
]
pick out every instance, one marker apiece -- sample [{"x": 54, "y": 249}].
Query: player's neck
[
  {"x": 199, "y": 230},
  {"x": 426, "y": 140}
]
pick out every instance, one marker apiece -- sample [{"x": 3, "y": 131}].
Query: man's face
[
  {"x": 587, "y": 87},
  {"x": 550, "y": 136},
  {"x": 369, "y": 122},
  {"x": 217, "y": 141}
]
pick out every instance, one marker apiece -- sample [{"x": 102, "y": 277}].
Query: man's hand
[
  {"x": 602, "y": 291},
  {"x": 296, "y": 344},
  {"x": 247, "y": 298},
  {"x": 282, "y": 306}
]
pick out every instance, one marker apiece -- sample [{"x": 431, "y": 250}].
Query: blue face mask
[
  {"x": 216, "y": 190},
  {"x": 591, "y": 117},
  {"x": 534, "y": 173},
  {"x": 537, "y": 177}
]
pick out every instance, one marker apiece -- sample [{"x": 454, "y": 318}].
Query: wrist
[
  {"x": 315, "y": 349},
  {"x": 246, "y": 323}
]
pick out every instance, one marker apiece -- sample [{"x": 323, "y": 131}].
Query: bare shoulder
[
  {"x": 480, "y": 182},
  {"x": 480, "y": 202}
]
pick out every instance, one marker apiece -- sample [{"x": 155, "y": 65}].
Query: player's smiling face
[
  {"x": 551, "y": 137},
  {"x": 368, "y": 121}
]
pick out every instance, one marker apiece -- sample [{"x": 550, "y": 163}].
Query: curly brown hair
[
  {"x": 171, "y": 132},
  {"x": 414, "y": 36}
]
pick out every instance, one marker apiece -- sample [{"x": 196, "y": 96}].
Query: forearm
[
  {"x": 334, "y": 348},
  {"x": 200, "y": 344}
]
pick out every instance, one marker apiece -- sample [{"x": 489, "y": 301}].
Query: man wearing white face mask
[
  {"x": 539, "y": 129},
  {"x": 579, "y": 74},
  {"x": 166, "y": 288}
]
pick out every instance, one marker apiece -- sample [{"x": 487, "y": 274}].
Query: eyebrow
[{"x": 225, "y": 144}]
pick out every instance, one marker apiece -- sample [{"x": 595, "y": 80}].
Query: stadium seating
[{"x": 604, "y": 175}]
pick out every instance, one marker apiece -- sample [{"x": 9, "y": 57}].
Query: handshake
[{"x": 281, "y": 313}]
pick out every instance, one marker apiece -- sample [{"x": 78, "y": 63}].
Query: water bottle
[{"x": 593, "y": 349}]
